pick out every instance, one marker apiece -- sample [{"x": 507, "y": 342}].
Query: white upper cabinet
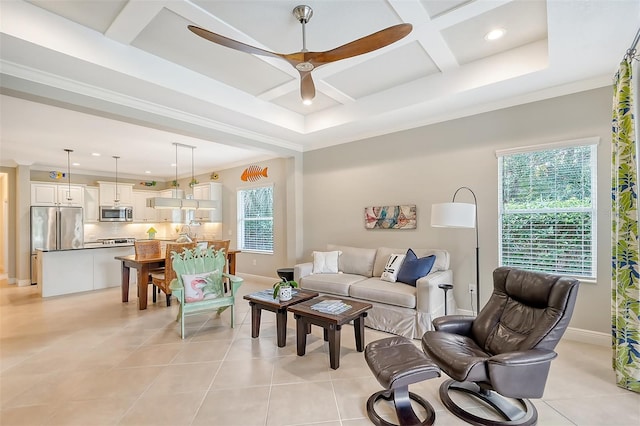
[
  {"x": 73, "y": 196},
  {"x": 44, "y": 194},
  {"x": 91, "y": 205},
  {"x": 208, "y": 191},
  {"x": 142, "y": 213},
  {"x": 171, "y": 215},
  {"x": 53, "y": 194},
  {"x": 108, "y": 193}
]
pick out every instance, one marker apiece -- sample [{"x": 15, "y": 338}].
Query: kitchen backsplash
[{"x": 168, "y": 231}]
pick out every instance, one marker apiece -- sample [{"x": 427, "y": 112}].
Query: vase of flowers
[{"x": 283, "y": 289}]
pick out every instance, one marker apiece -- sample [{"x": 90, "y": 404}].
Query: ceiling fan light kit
[{"x": 304, "y": 61}]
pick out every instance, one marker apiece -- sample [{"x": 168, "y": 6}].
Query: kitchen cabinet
[
  {"x": 54, "y": 194},
  {"x": 142, "y": 213},
  {"x": 91, "y": 205},
  {"x": 73, "y": 271},
  {"x": 107, "y": 270},
  {"x": 208, "y": 191},
  {"x": 108, "y": 193},
  {"x": 171, "y": 215}
]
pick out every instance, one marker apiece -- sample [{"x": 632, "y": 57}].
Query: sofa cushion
[
  {"x": 376, "y": 290},
  {"x": 414, "y": 268},
  {"x": 392, "y": 268},
  {"x": 325, "y": 262},
  {"x": 330, "y": 283},
  {"x": 356, "y": 260},
  {"x": 383, "y": 253}
]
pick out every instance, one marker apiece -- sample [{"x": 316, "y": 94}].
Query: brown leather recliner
[{"x": 505, "y": 351}]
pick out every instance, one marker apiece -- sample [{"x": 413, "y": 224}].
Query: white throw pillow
[
  {"x": 325, "y": 262},
  {"x": 392, "y": 268}
]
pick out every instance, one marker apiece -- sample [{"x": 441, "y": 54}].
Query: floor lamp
[{"x": 460, "y": 215}]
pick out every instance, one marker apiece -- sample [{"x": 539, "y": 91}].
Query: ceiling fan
[{"x": 305, "y": 61}]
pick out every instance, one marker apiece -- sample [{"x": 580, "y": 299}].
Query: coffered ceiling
[{"x": 126, "y": 77}]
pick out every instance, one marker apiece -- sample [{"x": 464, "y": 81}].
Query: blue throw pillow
[{"x": 413, "y": 268}]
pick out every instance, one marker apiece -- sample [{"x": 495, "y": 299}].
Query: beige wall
[
  {"x": 425, "y": 165},
  {"x": 91, "y": 180}
]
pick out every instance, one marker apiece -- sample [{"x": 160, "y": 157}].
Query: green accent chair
[{"x": 203, "y": 271}]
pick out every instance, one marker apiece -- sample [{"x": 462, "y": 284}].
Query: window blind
[
  {"x": 255, "y": 219},
  {"x": 547, "y": 209}
]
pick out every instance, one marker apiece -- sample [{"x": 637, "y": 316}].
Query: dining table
[{"x": 144, "y": 265}]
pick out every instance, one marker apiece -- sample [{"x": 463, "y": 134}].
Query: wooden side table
[
  {"x": 261, "y": 300},
  {"x": 331, "y": 323}
]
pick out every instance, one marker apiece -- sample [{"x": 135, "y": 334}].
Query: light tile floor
[{"x": 89, "y": 359}]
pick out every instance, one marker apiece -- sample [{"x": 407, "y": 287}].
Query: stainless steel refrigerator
[{"x": 55, "y": 228}]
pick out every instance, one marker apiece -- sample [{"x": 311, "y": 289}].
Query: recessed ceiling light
[
  {"x": 495, "y": 34},
  {"x": 95, "y": 154},
  {"x": 75, "y": 164}
]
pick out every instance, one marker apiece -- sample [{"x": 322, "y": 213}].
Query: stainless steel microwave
[{"x": 116, "y": 214}]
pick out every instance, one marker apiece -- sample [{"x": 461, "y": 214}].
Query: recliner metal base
[
  {"x": 514, "y": 416},
  {"x": 404, "y": 411}
]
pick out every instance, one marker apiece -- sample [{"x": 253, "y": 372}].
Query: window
[
  {"x": 547, "y": 209},
  {"x": 255, "y": 219}
]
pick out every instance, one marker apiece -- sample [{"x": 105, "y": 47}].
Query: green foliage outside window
[
  {"x": 255, "y": 206},
  {"x": 548, "y": 212}
]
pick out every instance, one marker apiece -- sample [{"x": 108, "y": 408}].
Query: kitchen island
[{"x": 72, "y": 271}]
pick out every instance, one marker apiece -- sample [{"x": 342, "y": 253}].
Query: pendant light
[
  {"x": 69, "y": 198},
  {"x": 190, "y": 203},
  {"x": 185, "y": 204},
  {"x": 168, "y": 203},
  {"x": 116, "y": 194}
]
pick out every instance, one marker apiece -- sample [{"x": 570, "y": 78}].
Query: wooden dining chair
[
  {"x": 220, "y": 245},
  {"x": 151, "y": 249},
  {"x": 162, "y": 279}
]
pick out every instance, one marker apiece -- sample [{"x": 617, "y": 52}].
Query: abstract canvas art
[{"x": 390, "y": 217}]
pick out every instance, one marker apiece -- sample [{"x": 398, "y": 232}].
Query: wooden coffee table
[
  {"x": 331, "y": 323},
  {"x": 258, "y": 302}
]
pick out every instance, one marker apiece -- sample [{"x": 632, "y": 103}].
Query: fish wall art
[{"x": 253, "y": 173}]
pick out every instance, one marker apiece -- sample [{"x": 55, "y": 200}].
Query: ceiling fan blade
[
  {"x": 307, "y": 88},
  {"x": 361, "y": 46},
  {"x": 233, "y": 44}
]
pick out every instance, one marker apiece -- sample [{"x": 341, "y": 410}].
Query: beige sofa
[{"x": 398, "y": 308}]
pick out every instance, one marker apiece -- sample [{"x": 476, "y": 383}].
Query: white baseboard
[
  {"x": 573, "y": 334},
  {"x": 260, "y": 279},
  {"x": 587, "y": 336}
]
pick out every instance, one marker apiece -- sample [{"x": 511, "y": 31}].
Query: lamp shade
[{"x": 453, "y": 215}]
